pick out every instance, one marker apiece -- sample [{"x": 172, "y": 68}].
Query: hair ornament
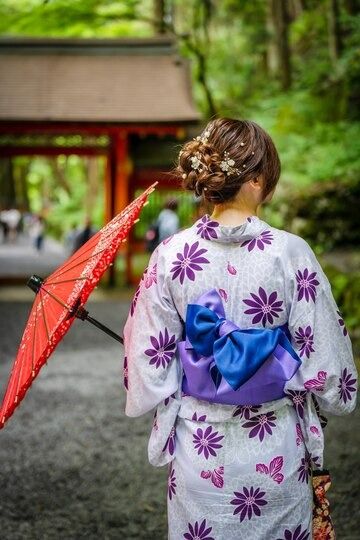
[
  {"x": 184, "y": 175},
  {"x": 204, "y": 137},
  {"x": 196, "y": 162},
  {"x": 227, "y": 165},
  {"x": 242, "y": 144}
]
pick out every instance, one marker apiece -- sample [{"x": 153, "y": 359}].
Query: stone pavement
[
  {"x": 74, "y": 467},
  {"x": 20, "y": 259}
]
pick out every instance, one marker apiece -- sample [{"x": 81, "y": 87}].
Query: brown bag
[{"x": 322, "y": 525}]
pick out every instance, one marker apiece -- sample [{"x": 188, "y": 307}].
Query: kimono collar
[{"x": 210, "y": 229}]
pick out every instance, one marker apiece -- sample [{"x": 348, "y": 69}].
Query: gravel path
[{"x": 73, "y": 466}]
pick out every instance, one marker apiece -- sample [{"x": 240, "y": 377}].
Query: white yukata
[{"x": 238, "y": 471}]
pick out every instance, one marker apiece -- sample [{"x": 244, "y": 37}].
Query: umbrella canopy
[{"x": 60, "y": 298}]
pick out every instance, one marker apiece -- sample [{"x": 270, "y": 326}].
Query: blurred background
[{"x": 96, "y": 98}]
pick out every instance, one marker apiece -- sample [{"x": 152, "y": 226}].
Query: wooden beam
[{"x": 52, "y": 151}]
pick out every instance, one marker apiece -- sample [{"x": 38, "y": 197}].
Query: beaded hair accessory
[{"x": 227, "y": 165}]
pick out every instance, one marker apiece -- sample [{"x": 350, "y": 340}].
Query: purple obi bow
[{"x": 224, "y": 364}]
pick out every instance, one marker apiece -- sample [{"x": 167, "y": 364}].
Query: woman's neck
[{"x": 232, "y": 215}]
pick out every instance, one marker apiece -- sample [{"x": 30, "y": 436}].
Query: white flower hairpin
[
  {"x": 227, "y": 165},
  {"x": 196, "y": 162},
  {"x": 204, "y": 137}
]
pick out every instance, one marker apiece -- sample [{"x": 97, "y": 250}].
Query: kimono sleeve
[
  {"x": 151, "y": 332},
  {"x": 320, "y": 338}
]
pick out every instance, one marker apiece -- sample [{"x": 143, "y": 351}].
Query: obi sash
[{"x": 223, "y": 363}]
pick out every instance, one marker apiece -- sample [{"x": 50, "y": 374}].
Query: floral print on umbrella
[
  {"x": 260, "y": 425},
  {"x": 305, "y": 338},
  {"x": 248, "y": 502},
  {"x": 266, "y": 237},
  {"x": 306, "y": 285},
  {"x": 346, "y": 385},
  {"x": 298, "y": 534},
  {"x": 188, "y": 262},
  {"x": 264, "y": 308},
  {"x": 198, "y": 532},
  {"x": 207, "y": 441},
  {"x": 163, "y": 349},
  {"x": 206, "y": 228}
]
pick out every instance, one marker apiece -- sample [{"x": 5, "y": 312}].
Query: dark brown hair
[{"x": 245, "y": 142}]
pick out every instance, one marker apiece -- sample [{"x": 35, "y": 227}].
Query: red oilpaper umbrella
[{"x": 60, "y": 299}]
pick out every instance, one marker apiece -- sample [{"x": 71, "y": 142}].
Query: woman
[{"x": 235, "y": 337}]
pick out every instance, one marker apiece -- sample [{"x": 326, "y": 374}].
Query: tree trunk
[
  {"x": 159, "y": 16},
  {"x": 92, "y": 172},
  {"x": 278, "y": 18},
  {"x": 335, "y": 41},
  {"x": 7, "y": 184}
]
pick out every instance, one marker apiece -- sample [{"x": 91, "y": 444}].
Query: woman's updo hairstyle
[{"x": 228, "y": 153}]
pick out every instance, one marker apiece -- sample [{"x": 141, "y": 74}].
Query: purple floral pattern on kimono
[
  {"x": 306, "y": 285},
  {"x": 305, "y": 338},
  {"x": 135, "y": 299},
  {"x": 207, "y": 441},
  {"x": 206, "y": 228},
  {"x": 262, "y": 307},
  {"x": 151, "y": 277},
  {"x": 126, "y": 374},
  {"x": 305, "y": 467},
  {"x": 167, "y": 400},
  {"x": 197, "y": 418},
  {"x": 260, "y": 425},
  {"x": 342, "y": 323},
  {"x": 171, "y": 482},
  {"x": 264, "y": 238},
  {"x": 198, "y": 532},
  {"x": 298, "y": 397},
  {"x": 163, "y": 351},
  {"x": 298, "y": 534},
  {"x": 244, "y": 411},
  {"x": 188, "y": 262},
  {"x": 346, "y": 385},
  {"x": 248, "y": 502},
  {"x": 170, "y": 443}
]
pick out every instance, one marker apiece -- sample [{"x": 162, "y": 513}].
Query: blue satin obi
[{"x": 224, "y": 364}]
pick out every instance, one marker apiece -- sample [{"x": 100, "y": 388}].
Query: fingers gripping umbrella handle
[{"x": 82, "y": 314}]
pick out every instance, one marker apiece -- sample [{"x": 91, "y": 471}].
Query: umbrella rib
[
  {"x": 56, "y": 298},
  {"x": 71, "y": 258},
  {"x": 33, "y": 345},
  {"x": 43, "y": 314},
  {"x": 78, "y": 264},
  {"x": 66, "y": 280}
]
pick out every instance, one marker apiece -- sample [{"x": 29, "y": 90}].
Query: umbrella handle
[{"x": 82, "y": 314}]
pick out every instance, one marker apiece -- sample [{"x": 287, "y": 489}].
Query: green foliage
[{"x": 346, "y": 290}]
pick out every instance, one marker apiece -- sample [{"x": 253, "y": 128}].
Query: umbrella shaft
[{"x": 103, "y": 328}]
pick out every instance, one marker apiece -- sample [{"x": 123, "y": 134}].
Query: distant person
[
  {"x": 12, "y": 219},
  {"x": 84, "y": 235},
  {"x": 168, "y": 220},
  {"x": 69, "y": 239},
  {"x": 38, "y": 232},
  {"x": 166, "y": 224},
  {"x": 4, "y": 225}
]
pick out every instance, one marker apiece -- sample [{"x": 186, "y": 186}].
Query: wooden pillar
[{"x": 117, "y": 189}]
